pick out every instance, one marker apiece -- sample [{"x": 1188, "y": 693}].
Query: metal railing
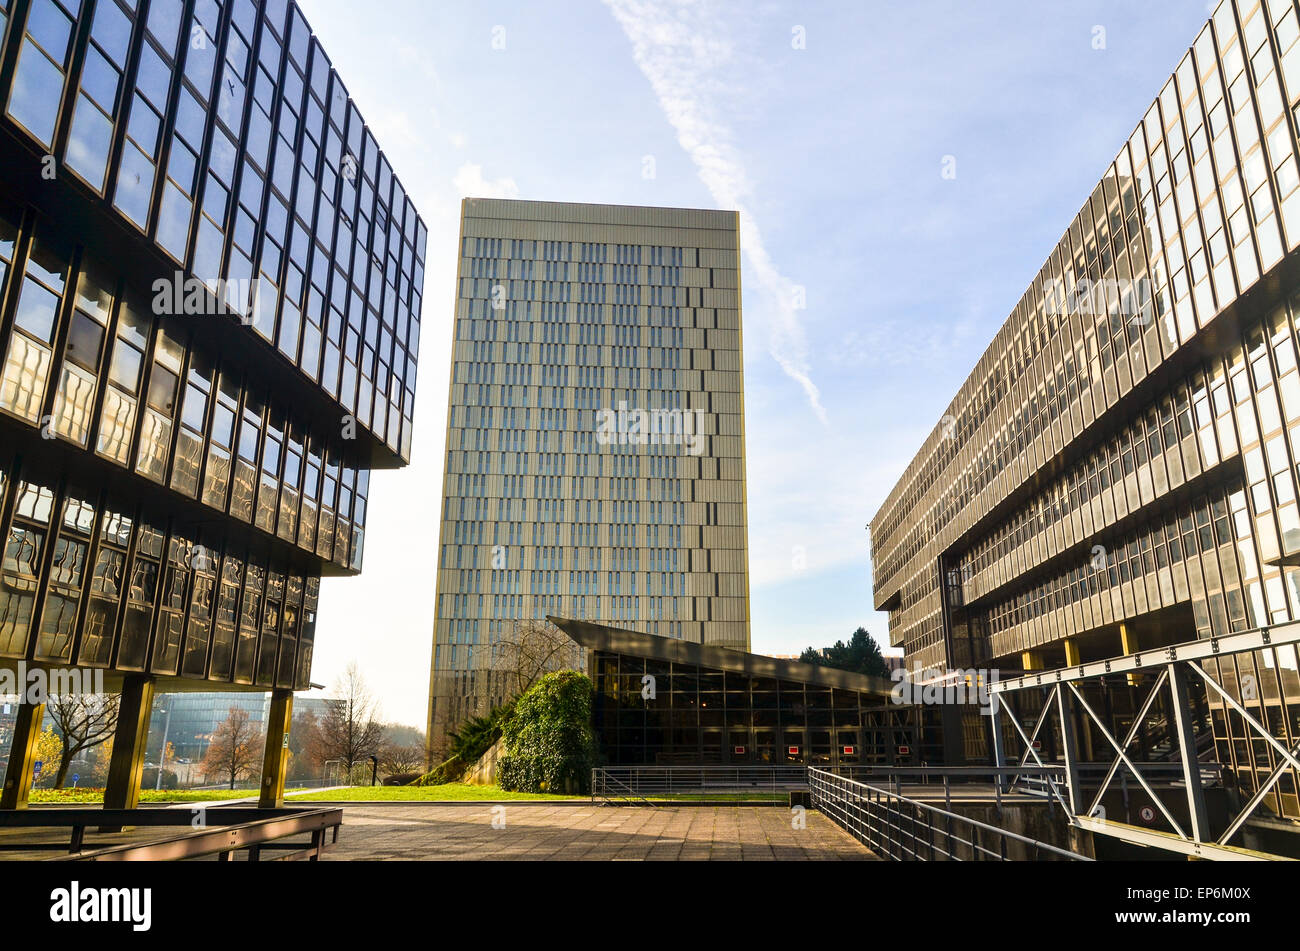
[
  {"x": 963, "y": 782},
  {"x": 218, "y": 832},
  {"x": 903, "y": 829},
  {"x": 648, "y": 782}
]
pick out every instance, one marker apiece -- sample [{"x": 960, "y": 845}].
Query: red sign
[
  {"x": 849, "y": 750},
  {"x": 792, "y": 750},
  {"x": 904, "y": 751},
  {"x": 1038, "y": 746},
  {"x": 739, "y": 750}
]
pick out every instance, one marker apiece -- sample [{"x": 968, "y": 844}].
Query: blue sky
[{"x": 833, "y": 153}]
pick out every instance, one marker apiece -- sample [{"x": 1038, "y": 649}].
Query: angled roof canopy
[{"x": 653, "y": 647}]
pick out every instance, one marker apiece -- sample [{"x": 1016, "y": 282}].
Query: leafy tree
[
  {"x": 234, "y": 749},
  {"x": 861, "y": 655},
  {"x": 49, "y": 749},
  {"x": 97, "y": 763},
  {"x": 83, "y": 722}
]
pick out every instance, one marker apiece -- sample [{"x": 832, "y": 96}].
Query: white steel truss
[{"x": 1172, "y": 667}]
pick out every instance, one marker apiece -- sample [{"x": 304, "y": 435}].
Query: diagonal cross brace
[
  {"x": 1128, "y": 739},
  {"x": 1127, "y": 762}
]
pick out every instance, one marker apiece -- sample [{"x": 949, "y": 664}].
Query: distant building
[{"x": 190, "y": 719}]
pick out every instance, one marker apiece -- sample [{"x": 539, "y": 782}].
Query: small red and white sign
[
  {"x": 1147, "y": 813},
  {"x": 1038, "y": 746},
  {"x": 738, "y": 750},
  {"x": 792, "y": 750},
  {"x": 850, "y": 750},
  {"x": 904, "y": 751}
]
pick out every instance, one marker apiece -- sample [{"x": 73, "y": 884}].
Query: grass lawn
[
  {"x": 451, "y": 792},
  {"x": 76, "y": 797}
]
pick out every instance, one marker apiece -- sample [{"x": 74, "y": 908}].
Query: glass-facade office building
[
  {"x": 595, "y": 463},
  {"x": 187, "y": 721},
  {"x": 1120, "y": 470},
  {"x": 210, "y": 289},
  {"x": 661, "y": 701}
]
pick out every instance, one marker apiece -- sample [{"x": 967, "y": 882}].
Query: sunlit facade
[
  {"x": 209, "y": 312},
  {"x": 1120, "y": 470},
  {"x": 579, "y": 329}
]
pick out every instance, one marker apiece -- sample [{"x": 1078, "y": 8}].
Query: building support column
[
  {"x": 1128, "y": 645},
  {"x": 1031, "y": 660},
  {"x": 275, "y": 757},
  {"x": 1073, "y": 659},
  {"x": 126, "y": 767},
  {"x": 1072, "y": 656},
  {"x": 22, "y": 756},
  {"x": 954, "y": 735}
]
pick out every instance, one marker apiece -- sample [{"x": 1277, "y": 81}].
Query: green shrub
[
  {"x": 149, "y": 778},
  {"x": 401, "y": 779},
  {"x": 448, "y": 771},
  {"x": 549, "y": 743},
  {"x": 477, "y": 734},
  {"x": 467, "y": 745}
]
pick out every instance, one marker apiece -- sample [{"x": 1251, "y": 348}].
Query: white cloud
[
  {"x": 470, "y": 183},
  {"x": 677, "y": 48}
]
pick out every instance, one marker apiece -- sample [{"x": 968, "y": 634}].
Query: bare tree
[
  {"x": 520, "y": 657},
  {"x": 526, "y": 653},
  {"x": 394, "y": 760},
  {"x": 83, "y": 722},
  {"x": 234, "y": 749},
  {"x": 350, "y": 730}
]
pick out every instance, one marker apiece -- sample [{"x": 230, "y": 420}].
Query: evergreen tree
[{"x": 861, "y": 655}]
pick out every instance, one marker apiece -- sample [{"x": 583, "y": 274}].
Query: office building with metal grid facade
[
  {"x": 1120, "y": 469},
  {"x": 210, "y": 289}
]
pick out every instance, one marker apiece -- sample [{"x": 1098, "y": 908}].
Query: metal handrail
[
  {"x": 668, "y": 780},
  {"x": 906, "y": 829},
  {"x": 600, "y": 777},
  {"x": 224, "y": 830}
]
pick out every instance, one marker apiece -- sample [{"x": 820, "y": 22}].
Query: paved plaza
[{"x": 589, "y": 833}]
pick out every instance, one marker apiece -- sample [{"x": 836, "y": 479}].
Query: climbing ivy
[{"x": 549, "y": 743}]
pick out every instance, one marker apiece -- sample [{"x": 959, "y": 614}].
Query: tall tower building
[{"x": 595, "y": 442}]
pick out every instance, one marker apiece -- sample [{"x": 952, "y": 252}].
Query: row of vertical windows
[
  {"x": 133, "y": 594},
  {"x": 232, "y": 183},
  {"x": 133, "y": 392}
]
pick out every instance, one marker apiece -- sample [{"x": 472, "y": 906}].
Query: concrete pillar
[
  {"x": 954, "y": 735},
  {"x": 1074, "y": 659},
  {"x": 126, "y": 767},
  {"x": 1072, "y": 656},
  {"x": 275, "y": 757},
  {"x": 1128, "y": 645},
  {"x": 22, "y": 756}
]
